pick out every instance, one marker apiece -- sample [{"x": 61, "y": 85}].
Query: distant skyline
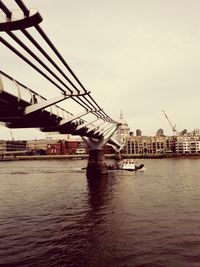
[{"x": 139, "y": 56}]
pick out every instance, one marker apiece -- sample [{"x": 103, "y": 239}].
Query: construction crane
[
  {"x": 173, "y": 126},
  {"x": 11, "y": 134}
]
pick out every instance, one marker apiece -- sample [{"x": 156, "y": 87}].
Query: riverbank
[
  {"x": 43, "y": 157},
  {"x": 107, "y": 156},
  {"x": 160, "y": 156}
]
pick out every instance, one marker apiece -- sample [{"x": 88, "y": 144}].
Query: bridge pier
[
  {"x": 118, "y": 155},
  {"x": 96, "y": 163},
  {"x": 97, "y": 166}
]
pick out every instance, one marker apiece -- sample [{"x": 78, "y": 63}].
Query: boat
[
  {"x": 76, "y": 158},
  {"x": 126, "y": 164},
  {"x": 130, "y": 165}
]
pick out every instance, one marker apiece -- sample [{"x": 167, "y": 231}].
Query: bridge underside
[{"x": 12, "y": 114}]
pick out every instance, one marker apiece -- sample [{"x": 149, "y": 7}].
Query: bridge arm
[
  {"x": 99, "y": 130},
  {"x": 44, "y": 104},
  {"x": 86, "y": 124},
  {"x": 106, "y": 129},
  {"x": 18, "y": 20},
  {"x": 109, "y": 134},
  {"x": 99, "y": 144},
  {"x": 72, "y": 118},
  {"x": 91, "y": 128},
  {"x": 115, "y": 144}
]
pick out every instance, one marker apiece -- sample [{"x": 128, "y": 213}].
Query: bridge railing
[
  {"x": 27, "y": 95},
  {"x": 16, "y": 89}
]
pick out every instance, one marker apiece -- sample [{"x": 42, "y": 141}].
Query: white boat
[{"x": 130, "y": 165}]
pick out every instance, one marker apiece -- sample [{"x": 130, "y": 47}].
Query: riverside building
[
  {"x": 182, "y": 144},
  {"x": 8, "y": 145},
  {"x": 140, "y": 145},
  {"x": 188, "y": 144}
]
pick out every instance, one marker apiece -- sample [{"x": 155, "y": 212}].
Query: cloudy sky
[{"x": 136, "y": 55}]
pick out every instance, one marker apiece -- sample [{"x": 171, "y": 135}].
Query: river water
[{"x": 52, "y": 215}]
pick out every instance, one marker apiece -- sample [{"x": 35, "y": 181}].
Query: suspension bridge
[{"x": 23, "y": 107}]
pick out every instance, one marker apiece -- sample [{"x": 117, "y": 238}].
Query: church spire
[{"x": 121, "y": 115}]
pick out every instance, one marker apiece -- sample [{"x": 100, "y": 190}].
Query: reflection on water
[
  {"x": 97, "y": 192},
  {"x": 52, "y": 215}
]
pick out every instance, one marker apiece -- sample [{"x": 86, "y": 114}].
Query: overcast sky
[{"x": 136, "y": 55}]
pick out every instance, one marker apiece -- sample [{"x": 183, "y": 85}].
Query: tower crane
[
  {"x": 173, "y": 126},
  {"x": 12, "y": 136}
]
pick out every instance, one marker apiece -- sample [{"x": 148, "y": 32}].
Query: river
[{"x": 52, "y": 215}]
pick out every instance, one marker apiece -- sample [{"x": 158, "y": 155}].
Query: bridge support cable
[
  {"x": 28, "y": 50},
  {"x": 64, "y": 62},
  {"x": 26, "y": 12},
  {"x": 39, "y": 47},
  {"x": 50, "y": 71},
  {"x": 4, "y": 8},
  {"x": 47, "y": 68},
  {"x": 23, "y": 7},
  {"x": 38, "y": 60},
  {"x": 86, "y": 106},
  {"x": 45, "y": 37},
  {"x": 29, "y": 62}
]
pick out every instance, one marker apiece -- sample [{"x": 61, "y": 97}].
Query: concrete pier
[{"x": 96, "y": 163}]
